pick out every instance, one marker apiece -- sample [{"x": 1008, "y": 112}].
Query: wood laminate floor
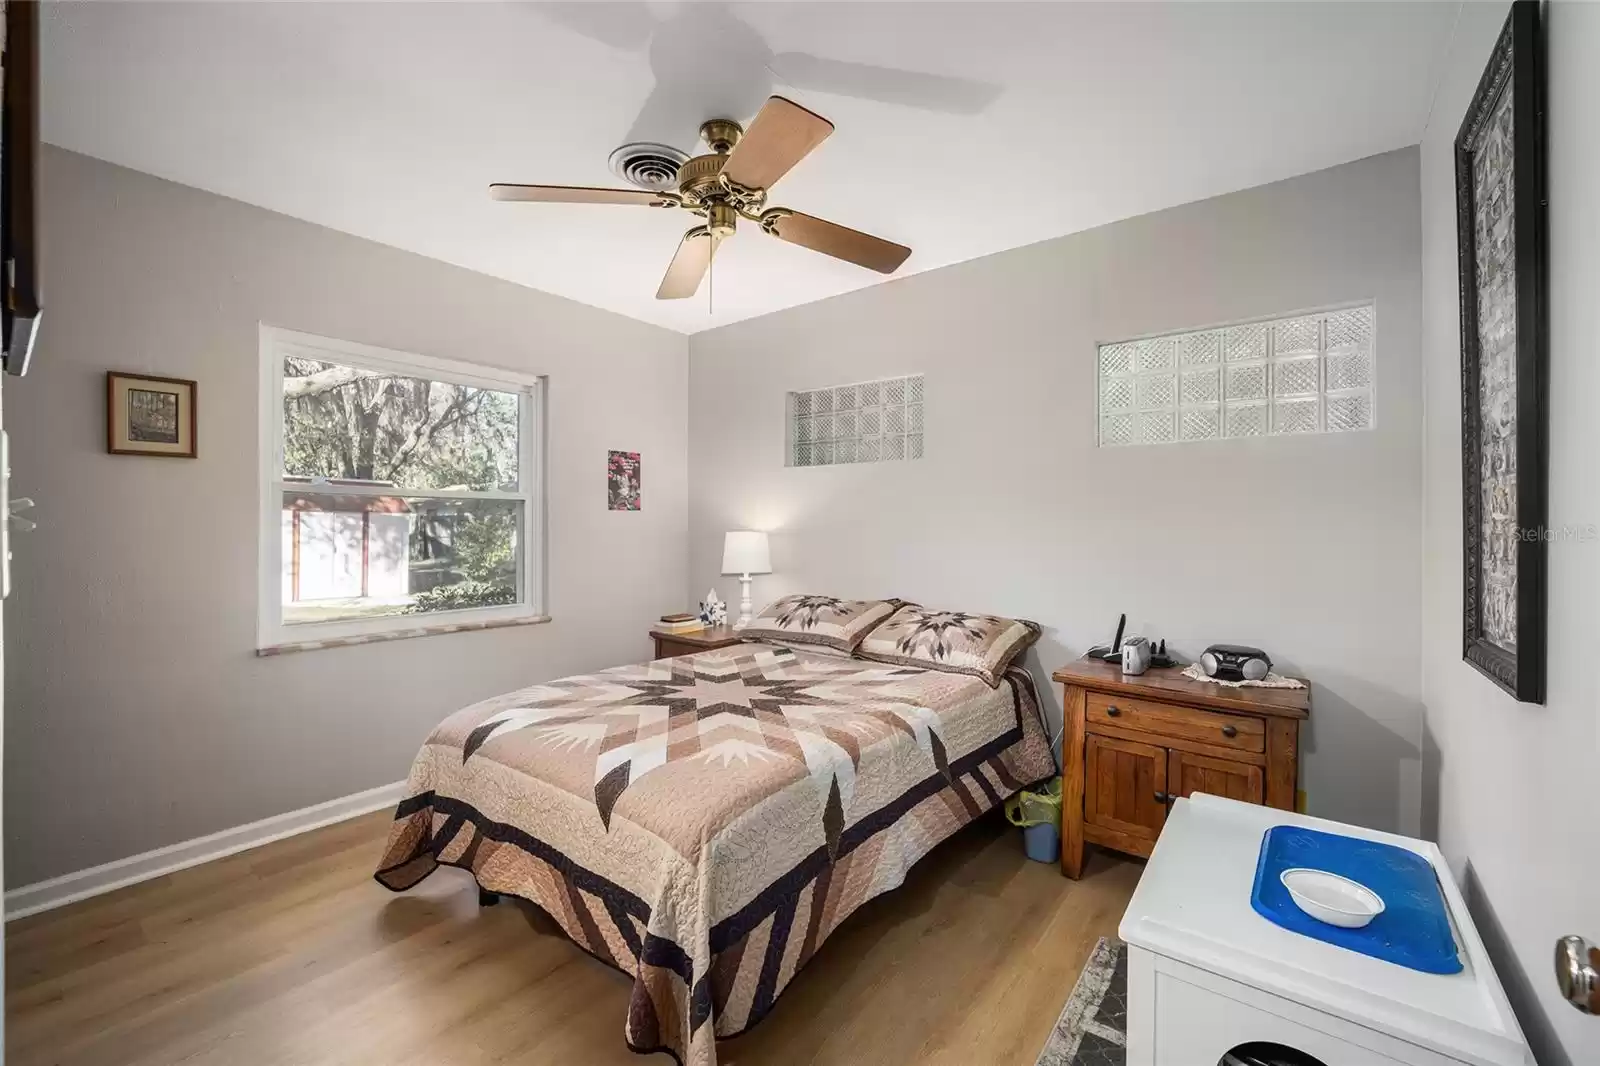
[{"x": 291, "y": 954}]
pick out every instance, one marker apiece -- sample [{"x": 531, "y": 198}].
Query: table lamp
[{"x": 745, "y": 552}]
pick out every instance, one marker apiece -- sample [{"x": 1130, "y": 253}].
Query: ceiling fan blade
[
  {"x": 782, "y": 134},
  {"x": 624, "y": 24},
  {"x": 908, "y": 88},
  {"x": 575, "y": 194},
  {"x": 841, "y": 242},
  {"x": 688, "y": 265}
]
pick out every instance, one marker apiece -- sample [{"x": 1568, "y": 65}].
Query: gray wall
[
  {"x": 1510, "y": 787},
  {"x": 1308, "y": 547},
  {"x": 137, "y": 714}
]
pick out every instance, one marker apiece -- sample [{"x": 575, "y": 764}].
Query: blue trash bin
[{"x": 1042, "y": 843}]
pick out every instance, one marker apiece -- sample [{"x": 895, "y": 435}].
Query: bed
[{"x": 704, "y": 823}]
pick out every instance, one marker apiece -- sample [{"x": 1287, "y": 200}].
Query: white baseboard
[{"x": 97, "y": 880}]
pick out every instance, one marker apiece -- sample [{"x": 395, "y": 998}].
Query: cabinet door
[
  {"x": 1124, "y": 786},
  {"x": 1187, "y": 772}
]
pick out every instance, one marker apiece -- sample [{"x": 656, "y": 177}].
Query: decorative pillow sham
[
  {"x": 820, "y": 620},
  {"x": 978, "y": 644}
]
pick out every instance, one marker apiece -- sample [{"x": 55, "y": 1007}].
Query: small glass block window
[
  {"x": 1116, "y": 358},
  {"x": 1306, "y": 373},
  {"x": 1155, "y": 392},
  {"x": 1246, "y": 420},
  {"x": 1155, "y": 427},
  {"x": 1116, "y": 394},
  {"x": 868, "y": 422},
  {"x": 1200, "y": 423},
  {"x": 1199, "y": 349},
  {"x": 1296, "y": 377},
  {"x": 1297, "y": 336},
  {"x": 1157, "y": 353},
  {"x": 1247, "y": 382},
  {"x": 1200, "y": 387},
  {"x": 1246, "y": 343}
]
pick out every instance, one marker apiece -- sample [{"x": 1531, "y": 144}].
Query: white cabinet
[
  {"x": 1198, "y": 1023},
  {"x": 1207, "y": 974}
]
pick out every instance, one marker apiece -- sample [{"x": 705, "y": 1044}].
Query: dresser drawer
[{"x": 1236, "y": 731}]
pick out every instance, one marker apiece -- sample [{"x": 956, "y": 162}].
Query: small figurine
[{"x": 713, "y": 612}]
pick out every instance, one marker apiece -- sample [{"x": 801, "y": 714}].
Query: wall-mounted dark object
[
  {"x": 20, "y": 300},
  {"x": 1502, "y": 244}
]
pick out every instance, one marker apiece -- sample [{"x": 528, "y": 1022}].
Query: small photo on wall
[
  {"x": 622, "y": 481},
  {"x": 149, "y": 415}
]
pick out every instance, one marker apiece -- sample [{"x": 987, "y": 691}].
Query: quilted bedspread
[{"x": 704, "y": 823}]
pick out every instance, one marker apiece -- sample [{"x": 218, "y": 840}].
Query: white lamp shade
[{"x": 745, "y": 551}]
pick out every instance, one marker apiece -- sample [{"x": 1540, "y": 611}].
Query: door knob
[{"x": 1578, "y": 973}]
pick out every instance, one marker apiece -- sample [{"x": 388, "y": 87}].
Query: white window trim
[{"x": 276, "y": 343}]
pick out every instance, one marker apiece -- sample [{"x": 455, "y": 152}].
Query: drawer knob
[
  {"x": 1229, "y": 731},
  {"x": 1162, "y": 797},
  {"x": 1113, "y": 711}
]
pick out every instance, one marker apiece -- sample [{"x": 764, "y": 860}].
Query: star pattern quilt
[{"x": 704, "y": 823}]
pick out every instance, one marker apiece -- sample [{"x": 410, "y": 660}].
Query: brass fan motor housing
[
  {"x": 700, "y": 178},
  {"x": 701, "y": 186}
]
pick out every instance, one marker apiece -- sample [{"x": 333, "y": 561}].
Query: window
[
  {"x": 398, "y": 491},
  {"x": 1306, "y": 374},
  {"x": 868, "y": 422}
]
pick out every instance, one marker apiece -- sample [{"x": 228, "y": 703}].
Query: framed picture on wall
[
  {"x": 1502, "y": 248},
  {"x": 623, "y": 481},
  {"x": 149, "y": 415}
]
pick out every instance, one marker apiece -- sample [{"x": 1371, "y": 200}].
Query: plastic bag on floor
[{"x": 1041, "y": 806}]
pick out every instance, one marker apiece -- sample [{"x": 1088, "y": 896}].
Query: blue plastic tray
[{"x": 1413, "y": 930}]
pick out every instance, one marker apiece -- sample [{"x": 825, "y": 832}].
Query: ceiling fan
[{"x": 729, "y": 183}]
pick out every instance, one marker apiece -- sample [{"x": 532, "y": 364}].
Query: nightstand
[
  {"x": 672, "y": 645},
  {"x": 1130, "y": 746}
]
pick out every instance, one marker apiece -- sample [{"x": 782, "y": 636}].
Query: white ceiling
[{"x": 389, "y": 120}]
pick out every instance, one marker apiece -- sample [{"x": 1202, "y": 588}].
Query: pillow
[
  {"x": 978, "y": 644},
  {"x": 820, "y": 620}
]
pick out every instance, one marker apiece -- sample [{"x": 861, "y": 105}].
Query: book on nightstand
[{"x": 680, "y": 623}]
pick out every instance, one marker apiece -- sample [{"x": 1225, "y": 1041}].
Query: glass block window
[
  {"x": 868, "y": 422},
  {"x": 1310, "y": 373}
]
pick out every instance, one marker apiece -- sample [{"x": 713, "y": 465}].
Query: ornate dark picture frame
[{"x": 1502, "y": 248}]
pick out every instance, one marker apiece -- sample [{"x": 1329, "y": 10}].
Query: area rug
[{"x": 1093, "y": 1027}]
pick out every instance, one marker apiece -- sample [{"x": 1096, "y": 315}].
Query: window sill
[{"x": 401, "y": 634}]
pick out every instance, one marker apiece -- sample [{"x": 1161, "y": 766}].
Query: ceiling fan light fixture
[
  {"x": 648, "y": 165},
  {"x": 721, "y": 220}
]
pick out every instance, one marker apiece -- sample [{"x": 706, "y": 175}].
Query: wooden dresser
[
  {"x": 1132, "y": 745},
  {"x": 672, "y": 645}
]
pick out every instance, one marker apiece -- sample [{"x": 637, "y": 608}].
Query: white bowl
[{"x": 1331, "y": 898}]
